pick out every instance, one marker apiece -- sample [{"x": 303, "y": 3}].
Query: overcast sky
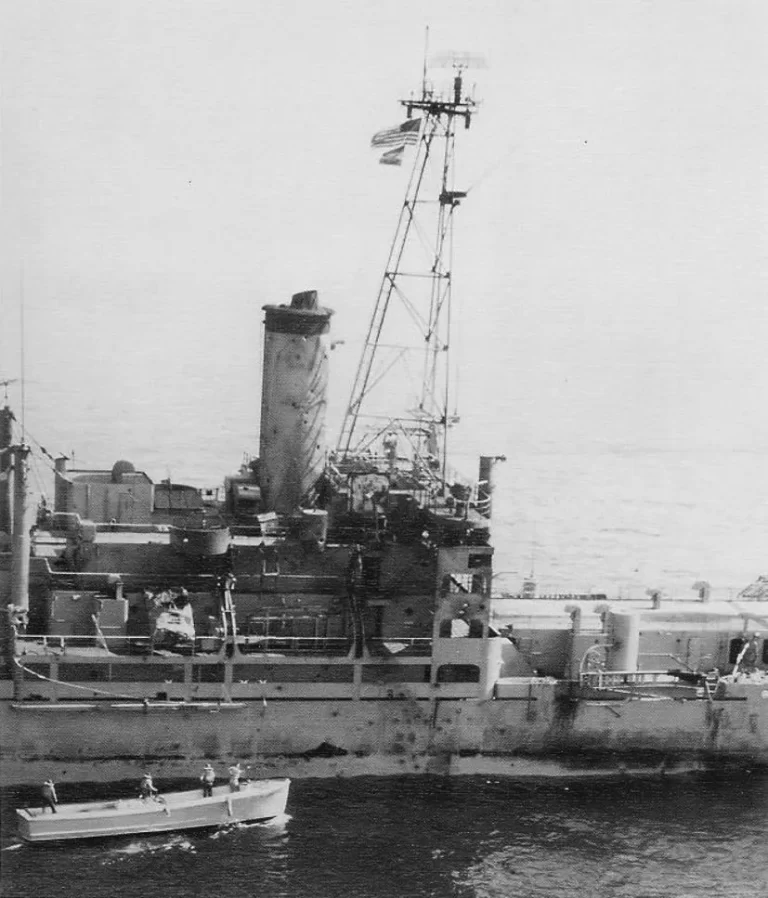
[{"x": 169, "y": 167}]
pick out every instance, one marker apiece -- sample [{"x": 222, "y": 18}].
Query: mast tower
[{"x": 424, "y": 291}]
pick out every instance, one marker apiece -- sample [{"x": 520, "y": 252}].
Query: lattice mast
[{"x": 429, "y": 422}]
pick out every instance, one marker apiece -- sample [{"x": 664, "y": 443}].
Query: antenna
[
  {"x": 23, "y": 378},
  {"x": 4, "y": 384},
  {"x": 424, "y": 73},
  {"x": 450, "y": 59},
  {"x": 423, "y": 289}
]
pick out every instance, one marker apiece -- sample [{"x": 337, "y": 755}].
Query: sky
[{"x": 170, "y": 167}]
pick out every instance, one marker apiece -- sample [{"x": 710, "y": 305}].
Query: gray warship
[{"x": 330, "y": 611}]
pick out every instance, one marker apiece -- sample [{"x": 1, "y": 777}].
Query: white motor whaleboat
[{"x": 174, "y": 811}]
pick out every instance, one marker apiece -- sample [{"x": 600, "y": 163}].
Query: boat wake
[
  {"x": 275, "y": 826},
  {"x": 149, "y": 847}
]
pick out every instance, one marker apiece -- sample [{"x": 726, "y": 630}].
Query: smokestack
[
  {"x": 6, "y": 468},
  {"x": 21, "y": 539},
  {"x": 293, "y": 401}
]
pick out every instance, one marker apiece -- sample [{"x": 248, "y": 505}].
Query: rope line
[
  {"x": 72, "y": 685},
  {"x": 39, "y": 446},
  {"x": 35, "y": 468},
  {"x": 494, "y": 166}
]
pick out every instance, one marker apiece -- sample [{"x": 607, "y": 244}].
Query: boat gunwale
[{"x": 128, "y": 807}]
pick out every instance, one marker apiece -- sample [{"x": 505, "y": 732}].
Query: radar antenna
[{"x": 425, "y": 291}]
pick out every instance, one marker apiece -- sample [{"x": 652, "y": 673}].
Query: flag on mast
[
  {"x": 408, "y": 132},
  {"x": 393, "y": 156}
]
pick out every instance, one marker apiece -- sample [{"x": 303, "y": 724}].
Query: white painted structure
[{"x": 173, "y": 812}]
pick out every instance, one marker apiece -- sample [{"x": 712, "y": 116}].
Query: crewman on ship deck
[
  {"x": 746, "y": 662},
  {"x": 49, "y": 796}
]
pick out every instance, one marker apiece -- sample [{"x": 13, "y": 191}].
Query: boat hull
[{"x": 175, "y": 812}]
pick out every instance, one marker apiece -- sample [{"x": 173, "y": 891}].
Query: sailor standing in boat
[
  {"x": 235, "y": 772},
  {"x": 49, "y": 796},
  {"x": 147, "y": 788},
  {"x": 207, "y": 779}
]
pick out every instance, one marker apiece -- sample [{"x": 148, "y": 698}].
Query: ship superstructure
[{"x": 331, "y": 612}]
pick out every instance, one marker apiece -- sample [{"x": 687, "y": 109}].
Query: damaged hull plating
[{"x": 540, "y": 728}]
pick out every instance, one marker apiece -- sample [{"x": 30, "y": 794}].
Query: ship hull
[{"x": 540, "y": 733}]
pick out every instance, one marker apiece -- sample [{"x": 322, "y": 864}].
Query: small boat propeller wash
[{"x": 174, "y": 811}]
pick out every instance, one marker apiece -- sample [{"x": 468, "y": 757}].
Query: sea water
[{"x": 468, "y": 837}]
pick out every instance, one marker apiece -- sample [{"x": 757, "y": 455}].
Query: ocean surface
[{"x": 702, "y": 837}]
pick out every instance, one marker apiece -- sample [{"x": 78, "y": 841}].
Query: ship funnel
[
  {"x": 6, "y": 471},
  {"x": 21, "y": 541},
  {"x": 293, "y": 401}
]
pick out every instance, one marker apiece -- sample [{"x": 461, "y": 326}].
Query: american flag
[
  {"x": 408, "y": 132},
  {"x": 393, "y": 156}
]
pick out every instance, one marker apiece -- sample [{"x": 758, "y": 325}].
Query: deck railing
[
  {"x": 294, "y": 645},
  {"x": 202, "y": 645},
  {"x": 617, "y": 679},
  {"x": 208, "y": 645},
  {"x": 54, "y": 641},
  {"x": 395, "y": 646}
]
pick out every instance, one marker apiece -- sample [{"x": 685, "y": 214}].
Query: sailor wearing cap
[
  {"x": 207, "y": 779},
  {"x": 49, "y": 796},
  {"x": 147, "y": 787}
]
